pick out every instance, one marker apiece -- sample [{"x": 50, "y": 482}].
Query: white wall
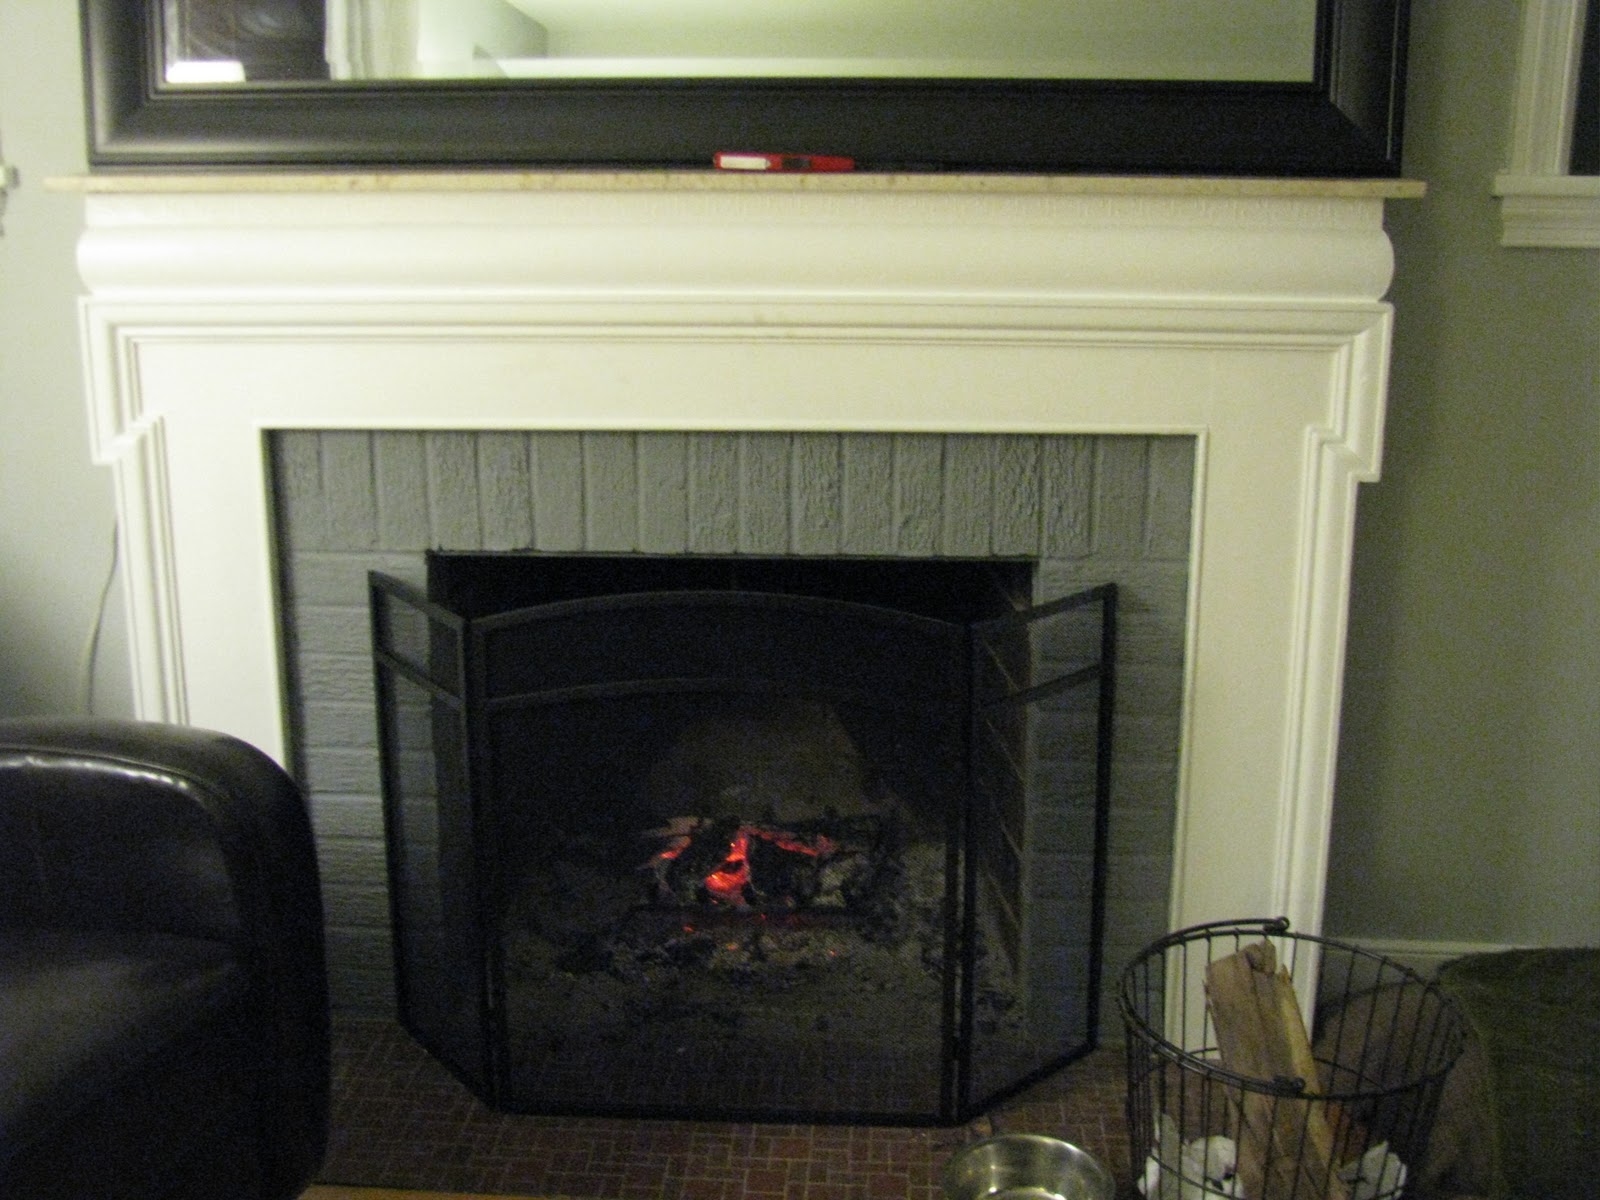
[
  {"x": 1469, "y": 792},
  {"x": 55, "y": 506}
]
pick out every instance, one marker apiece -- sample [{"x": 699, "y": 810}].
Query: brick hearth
[{"x": 401, "y": 1120}]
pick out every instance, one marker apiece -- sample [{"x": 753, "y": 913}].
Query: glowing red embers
[
  {"x": 727, "y": 883},
  {"x": 730, "y": 854}
]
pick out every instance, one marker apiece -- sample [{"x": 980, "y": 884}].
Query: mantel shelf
[{"x": 723, "y": 181}]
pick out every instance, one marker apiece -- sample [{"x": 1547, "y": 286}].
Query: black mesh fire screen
[{"x": 728, "y": 848}]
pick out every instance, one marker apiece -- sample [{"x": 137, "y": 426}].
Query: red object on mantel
[{"x": 728, "y": 161}]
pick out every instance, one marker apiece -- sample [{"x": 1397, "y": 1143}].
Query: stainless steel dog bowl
[{"x": 1025, "y": 1166}]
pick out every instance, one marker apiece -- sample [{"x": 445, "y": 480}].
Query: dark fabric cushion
[
  {"x": 1536, "y": 1013},
  {"x": 81, "y": 1013}
]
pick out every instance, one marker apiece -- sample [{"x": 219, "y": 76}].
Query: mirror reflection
[{"x": 241, "y": 42}]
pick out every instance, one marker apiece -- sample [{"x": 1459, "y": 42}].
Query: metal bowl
[{"x": 1025, "y": 1166}]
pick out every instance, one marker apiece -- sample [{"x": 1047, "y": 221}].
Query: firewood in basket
[{"x": 1286, "y": 1143}]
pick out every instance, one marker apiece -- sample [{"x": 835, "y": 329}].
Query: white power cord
[
  {"x": 9, "y": 180},
  {"x": 91, "y": 643}
]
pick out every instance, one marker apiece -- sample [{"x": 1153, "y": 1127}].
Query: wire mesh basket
[{"x": 1348, "y": 1114}]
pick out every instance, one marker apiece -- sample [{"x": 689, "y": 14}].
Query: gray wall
[
  {"x": 1469, "y": 779},
  {"x": 56, "y": 516}
]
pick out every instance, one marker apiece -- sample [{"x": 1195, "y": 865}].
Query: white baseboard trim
[{"x": 1424, "y": 957}]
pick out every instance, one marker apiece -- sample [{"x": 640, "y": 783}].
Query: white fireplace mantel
[{"x": 1247, "y": 314}]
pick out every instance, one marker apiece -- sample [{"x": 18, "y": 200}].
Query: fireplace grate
[{"x": 745, "y": 854}]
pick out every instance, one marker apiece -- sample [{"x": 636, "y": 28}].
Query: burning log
[
  {"x": 696, "y": 853},
  {"x": 729, "y": 862}
]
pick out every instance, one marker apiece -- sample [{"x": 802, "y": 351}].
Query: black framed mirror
[{"x": 1343, "y": 120}]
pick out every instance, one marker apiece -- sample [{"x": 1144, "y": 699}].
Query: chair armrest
[{"x": 140, "y": 827}]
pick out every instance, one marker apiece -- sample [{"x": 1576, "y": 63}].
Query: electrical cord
[{"x": 91, "y": 643}]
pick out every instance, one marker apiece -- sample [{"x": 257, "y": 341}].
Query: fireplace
[
  {"x": 429, "y": 324},
  {"x": 744, "y": 837},
  {"x": 891, "y": 518}
]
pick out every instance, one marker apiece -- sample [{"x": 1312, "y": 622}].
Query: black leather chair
[{"x": 163, "y": 995}]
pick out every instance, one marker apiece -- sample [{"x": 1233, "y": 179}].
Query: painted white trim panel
[
  {"x": 1540, "y": 204},
  {"x": 1255, "y": 324}
]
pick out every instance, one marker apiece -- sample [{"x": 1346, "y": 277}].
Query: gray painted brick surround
[{"x": 1088, "y": 509}]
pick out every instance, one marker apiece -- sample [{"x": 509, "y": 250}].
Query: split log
[{"x": 1286, "y": 1142}]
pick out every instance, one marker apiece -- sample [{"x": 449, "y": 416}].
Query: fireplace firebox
[{"x": 737, "y": 838}]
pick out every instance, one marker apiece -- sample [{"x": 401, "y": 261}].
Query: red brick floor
[{"x": 400, "y": 1120}]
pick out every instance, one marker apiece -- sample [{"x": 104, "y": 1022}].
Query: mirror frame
[{"x": 1345, "y": 123}]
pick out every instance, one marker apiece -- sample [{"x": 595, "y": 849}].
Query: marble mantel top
[{"x": 864, "y": 182}]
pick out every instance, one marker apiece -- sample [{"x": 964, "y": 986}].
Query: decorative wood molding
[
  {"x": 1556, "y": 211},
  {"x": 1540, "y": 204},
  {"x": 1255, "y": 325},
  {"x": 1547, "y": 85}
]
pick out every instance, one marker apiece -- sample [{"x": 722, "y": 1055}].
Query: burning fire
[{"x": 728, "y": 882}]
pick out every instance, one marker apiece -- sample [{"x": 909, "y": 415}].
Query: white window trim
[{"x": 1540, "y": 204}]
